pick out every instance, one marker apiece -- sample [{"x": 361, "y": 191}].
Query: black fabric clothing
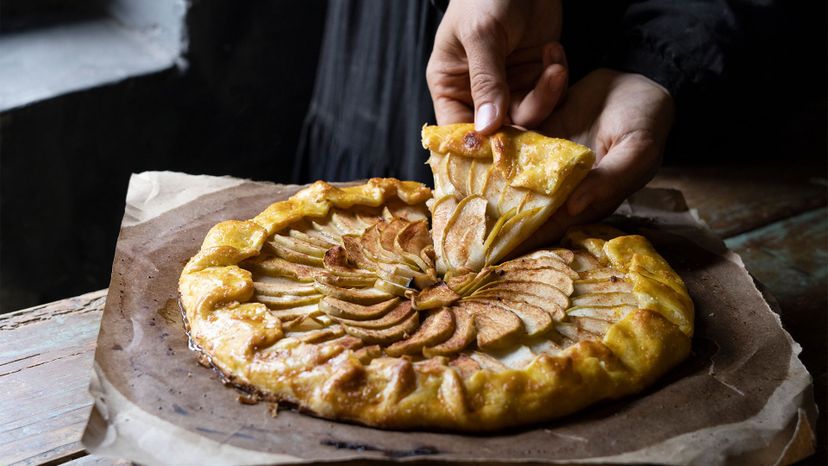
[
  {"x": 371, "y": 97},
  {"x": 685, "y": 45}
]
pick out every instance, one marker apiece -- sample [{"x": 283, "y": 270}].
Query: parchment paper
[{"x": 742, "y": 397}]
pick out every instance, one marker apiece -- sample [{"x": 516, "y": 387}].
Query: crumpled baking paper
[{"x": 742, "y": 397}]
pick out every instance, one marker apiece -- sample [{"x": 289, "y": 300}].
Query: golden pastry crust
[
  {"x": 467, "y": 364},
  {"x": 526, "y": 159}
]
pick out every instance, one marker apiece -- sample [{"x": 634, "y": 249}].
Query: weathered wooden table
[{"x": 776, "y": 218}]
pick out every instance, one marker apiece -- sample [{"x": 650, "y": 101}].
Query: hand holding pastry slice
[{"x": 492, "y": 192}]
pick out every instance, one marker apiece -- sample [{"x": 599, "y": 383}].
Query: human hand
[
  {"x": 497, "y": 62},
  {"x": 625, "y": 119}
]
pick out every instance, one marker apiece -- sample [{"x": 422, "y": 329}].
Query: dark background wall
[{"x": 238, "y": 107}]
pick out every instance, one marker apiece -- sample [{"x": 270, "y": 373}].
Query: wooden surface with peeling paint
[{"x": 775, "y": 218}]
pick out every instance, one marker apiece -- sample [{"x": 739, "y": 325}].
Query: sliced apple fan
[{"x": 492, "y": 192}]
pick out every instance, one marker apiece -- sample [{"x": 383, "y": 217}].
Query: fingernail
[{"x": 485, "y": 117}]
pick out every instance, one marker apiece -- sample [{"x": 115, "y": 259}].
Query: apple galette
[{"x": 386, "y": 305}]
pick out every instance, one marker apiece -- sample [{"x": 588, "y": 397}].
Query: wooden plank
[
  {"x": 733, "y": 200},
  {"x": 46, "y": 357},
  {"x": 91, "y": 460},
  {"x": 791, "y": 258}
]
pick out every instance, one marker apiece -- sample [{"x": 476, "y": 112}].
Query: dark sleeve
[{"x": 686, "y": 46}]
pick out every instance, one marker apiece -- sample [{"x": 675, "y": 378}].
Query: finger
[
  {"x": 450, "y": 111},
  {"x": 487, "y": 73},
  {"x": 554, "y": 53},
  {"x": 541, "y": 101},
  {"x": 523, "y": 77},
  {"x": 626, "y": 168}
]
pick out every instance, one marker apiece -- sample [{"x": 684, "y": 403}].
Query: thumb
[{"x": 487, "y": 72}]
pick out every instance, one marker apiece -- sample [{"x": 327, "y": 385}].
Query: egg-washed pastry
[{"x": 384, "y": 305}]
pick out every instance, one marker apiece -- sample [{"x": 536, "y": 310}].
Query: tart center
[{"x": 371, "y": 274}]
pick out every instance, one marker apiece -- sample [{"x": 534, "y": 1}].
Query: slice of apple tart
[
  {"x": 492, "y": 192},
  {"x": 344, "y": 302}
]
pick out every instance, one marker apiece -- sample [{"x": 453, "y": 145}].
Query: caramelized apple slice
[
  {"x": 387, "y": 234},
  {"x": 371, "y": 247},
  {"x": 294, "y": 256},
  {"x": 294, "y": 313},
  {"x": 278, "y": 267},
  {"x": 299, "y": 245},
  {"x": 347, "y": 223},
  {"x": 496, "y": 326},
  {"x": 494, "y": 186},
  {"x": 551, "y": 261},
  {"x": 514, "y": 232},
  {"x": 513, "y": 199},
  {"x": 344, "y": 261},
  {"x": 458, "y": 168},
  {"x": 321, "y": 335},
  {"x": 436, "y": 328},
  {"x": 481, "y": 278},
  {"x": 441, "y": 211},
  {"x": 312, "y": 235},
  {"x": 479, "y": 173},
  {"x": 396, "y": 208},
  {"x": 536, "y": 321},
  {"x": 327, "y": 229},
  {"x": 584, "y": 262},
  {"x": 286, "y": 301},
  {"x": 347, "y": 310},
  {"x": 548, "y": 276},
  {"x": 442, "y": 184},
  {"x": 564, "y": 255},
  {"x": 433, "y": 297},
  {"x": 354, "y": 254},
  {"x": 395, "y": 316},
  {"x": 283, "y": 288},
  {"x": 593, "y": 326},
  {"x": 387, "y": 335},
  {"x": 346, "y": 280},
  {"x": 410, "y": 242},
  {"x": 354, "y": 295},
  {"x": 464, "y": 334},
  {"x": 464, "y": 234},
  {"x": 548, "y": 294}
]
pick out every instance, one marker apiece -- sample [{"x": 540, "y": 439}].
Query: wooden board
[
  {"x": 46, "y": 355},
  {"x": 736, "y": 199}
]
